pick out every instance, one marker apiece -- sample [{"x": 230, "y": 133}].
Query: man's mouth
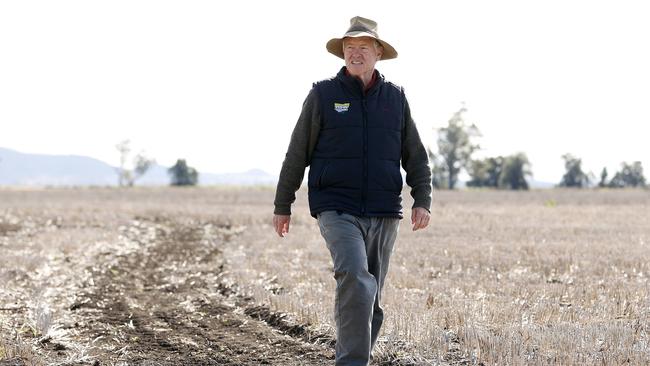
[{"x": 356, "y": 62}]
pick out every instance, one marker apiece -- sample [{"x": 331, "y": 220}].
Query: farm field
[{"x": 165, "y": 276}]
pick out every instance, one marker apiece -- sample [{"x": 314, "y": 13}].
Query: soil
[
  {"x": 172, "y": 305},
  {"x": 168, "y": 301}
]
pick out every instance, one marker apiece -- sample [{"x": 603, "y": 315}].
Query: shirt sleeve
[
  {"x": 415, "y": 162},
  {"x": 298, "y": 156}
]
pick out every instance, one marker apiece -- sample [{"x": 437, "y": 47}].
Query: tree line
[
  {"x": 180, "y": 174},
  {"x": 456, "y": 147}
]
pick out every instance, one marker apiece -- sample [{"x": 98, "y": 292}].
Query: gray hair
[{"x": 378, "y": 44}]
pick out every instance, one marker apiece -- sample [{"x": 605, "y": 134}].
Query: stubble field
[{"x": 164, "y": 276}]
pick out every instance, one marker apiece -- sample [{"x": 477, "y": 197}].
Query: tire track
[{"x": 166, "y": 303}]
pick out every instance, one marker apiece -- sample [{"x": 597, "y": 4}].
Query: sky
[{"x": 221, "y": 83}]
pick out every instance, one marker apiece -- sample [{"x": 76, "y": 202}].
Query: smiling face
[{"x": 361, "y": 54}]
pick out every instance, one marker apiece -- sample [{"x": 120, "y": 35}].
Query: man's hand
[
  {"x": 281, "y": 224},
  {"x": 419, "y": 218}
]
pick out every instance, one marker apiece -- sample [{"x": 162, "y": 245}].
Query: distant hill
[
  {"x": 538, "y": 184},
  {"x": 18, "y": 168},
  {"x": 22, "y": 169}
]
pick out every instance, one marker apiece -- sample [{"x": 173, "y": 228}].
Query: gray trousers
[{"x": 360, "y": 249}]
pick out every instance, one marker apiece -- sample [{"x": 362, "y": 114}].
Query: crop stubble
[{"x": 166, "y": 275}]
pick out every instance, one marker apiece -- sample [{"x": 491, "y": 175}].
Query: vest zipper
[{"x": 364, "y": 186}]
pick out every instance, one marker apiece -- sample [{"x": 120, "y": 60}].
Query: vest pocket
[
  {"x": 395, "y": 177},
  {"x": 317, "y": 171},
  {"x": 319, "y": 182},
  {"x": 340, "y": 174},
  {"x": 385, "y": 176}
]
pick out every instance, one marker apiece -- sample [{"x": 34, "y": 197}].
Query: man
[{"x": 353, "y": 132}]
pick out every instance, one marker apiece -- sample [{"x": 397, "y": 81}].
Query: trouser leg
[
  {"x": 356, "y": 288},
  {"x": 379, "y": 247},
  {"x": 360, "y": 249}
]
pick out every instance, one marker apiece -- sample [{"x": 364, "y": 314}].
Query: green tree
[
  {"x": 439, "y": 177},
  {"x": 141, "y": 164},
  {"x": 182, "y": 174},
  {"x": 455, "y": 146},
  {"x": 574, "y": 176},
  {"x": 603, "y": 178},
  {"x": 630, "y": 175},
  {"x": 514, "y": 172},
  {"x": 485, "y": 173}
]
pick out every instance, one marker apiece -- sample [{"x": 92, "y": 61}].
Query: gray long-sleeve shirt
[{"x": 304, "y": 138}]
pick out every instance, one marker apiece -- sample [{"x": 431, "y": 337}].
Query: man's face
[{"x": 361, "y": 54}]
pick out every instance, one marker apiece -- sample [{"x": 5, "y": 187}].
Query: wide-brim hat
[{"x": 361, "y": 27}]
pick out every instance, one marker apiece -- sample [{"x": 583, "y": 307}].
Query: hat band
[{"x": 362, "y": 29}]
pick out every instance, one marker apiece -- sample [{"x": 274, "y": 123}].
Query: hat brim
[{"x": 335, "y": 45}]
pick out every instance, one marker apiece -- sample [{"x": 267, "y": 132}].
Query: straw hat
[{"x": 361, "y": 27}]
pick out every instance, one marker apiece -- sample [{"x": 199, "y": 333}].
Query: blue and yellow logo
[{"x": 341, "y": 107}]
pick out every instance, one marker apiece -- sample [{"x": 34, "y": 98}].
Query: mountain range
[{"x": 23, "y": 169}]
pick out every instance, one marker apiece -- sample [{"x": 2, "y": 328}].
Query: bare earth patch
[
  {"x": 166, "y": 304},
  {"x": 155, "y": 294}
]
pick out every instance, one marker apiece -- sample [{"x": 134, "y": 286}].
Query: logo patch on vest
[{"x": 341, "y": 107}]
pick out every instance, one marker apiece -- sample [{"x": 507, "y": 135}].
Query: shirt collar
[{"x": 372, "y": 82}]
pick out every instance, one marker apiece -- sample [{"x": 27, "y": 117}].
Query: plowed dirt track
[{"x": 150, "y": 290}]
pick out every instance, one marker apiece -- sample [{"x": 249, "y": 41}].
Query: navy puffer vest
[{"x": 355, "y": 166}]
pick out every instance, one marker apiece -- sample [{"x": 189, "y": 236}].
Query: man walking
[{"x": 353, "y": 132}]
